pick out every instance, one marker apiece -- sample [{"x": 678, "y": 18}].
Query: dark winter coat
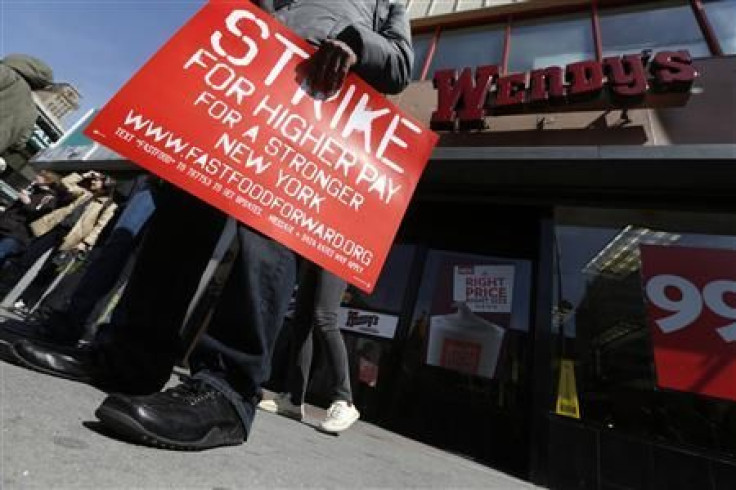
[
  {"x": 377, "y": 30},
  {"x": 15, "y": 221},
  {"x": 19, "y": 76}
]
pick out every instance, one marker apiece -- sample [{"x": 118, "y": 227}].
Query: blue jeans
[
  {"x": 142, "y": 342},
  {"x": 9, "y": 246},
  {"x": 137, "y": 211}
]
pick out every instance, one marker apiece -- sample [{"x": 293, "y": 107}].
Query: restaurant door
[{"x": 462, "y": 380}]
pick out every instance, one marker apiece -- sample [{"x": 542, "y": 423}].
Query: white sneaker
[
  {"x": 340, "y": 416},
  {"x": 282, "y": 405}
]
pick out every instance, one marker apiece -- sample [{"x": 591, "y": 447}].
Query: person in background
[
  {"x": 317, "y": 302},
  {"x": 20, "y": 75},
  {"x": 71, "y": 228},
  {"x": 64, "y": 314},
  {"x": 43, "y": 196}
]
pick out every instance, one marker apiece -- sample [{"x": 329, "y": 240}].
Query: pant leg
[
  {"x": 9, "y": 246},
  {"x": 141, "y": 343},
  {"x": 329, "y": 297},
  {"x": 316, "y": 313},
  {"x": 103, "y": 272},
  {"x": 235, "y": 355},
  {"x": 15, "y": 270},
  {"x": 68, "y": 311},
  {"x": 302, "y": 340}
]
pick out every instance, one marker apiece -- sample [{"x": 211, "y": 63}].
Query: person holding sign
[{"x": 135, "y": 354}]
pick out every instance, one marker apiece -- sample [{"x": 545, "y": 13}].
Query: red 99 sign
[
  {"x": 691, "y": 309},
  {"x": 687, "y": 304}
]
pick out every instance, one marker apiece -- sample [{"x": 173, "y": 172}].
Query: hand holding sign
[{"x": 329, "y": 66}]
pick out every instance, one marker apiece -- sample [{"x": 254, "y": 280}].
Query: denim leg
[
  {"x": 98, "y": 280},
  {"x": 17, "y": 268},
  {"x": 141, "y": 343},
  {"x": 236, "y": 352},
  {"x": 137, "y": 211},
  {"x": 103, "y": 273},
  {"x": 9, "y": 246},
  {"x": 316, "y": 312}
]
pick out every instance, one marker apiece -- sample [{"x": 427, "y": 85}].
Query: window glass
[
  {"x": 463, "y": 48},
  {"x": 388, "y": 295},
  {"x": 652, "y": 26},
  {"x": 468, "y": 346},
  {"x": 421, "y": 45},
  {"x": 554, "y": 43},
  {"x": 627, "y": 333},
  {"x": 721, "y": 15}
]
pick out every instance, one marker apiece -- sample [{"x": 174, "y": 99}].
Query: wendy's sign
[
  {"x": 222, "y": 112},
  {"x": 633, "y": 80}
]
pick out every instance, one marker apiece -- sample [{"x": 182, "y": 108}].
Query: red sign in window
[
  {"x": 222, "y": 111},
  {"x": 461, "y": 355},
  {"x": 691, "y": 305}
]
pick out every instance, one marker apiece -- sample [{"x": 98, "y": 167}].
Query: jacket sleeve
[
  {"x": 386, "y": 57},
  {"x": 40, "y": 204},
  {"x": 102, "y": 221},
  {"x": 71, "y": 180}
]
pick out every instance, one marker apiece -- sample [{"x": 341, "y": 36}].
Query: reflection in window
[
  {"x": 388, "y": 295},
  {"x": 669, "y": 27},
  {"x": 551, "y": 44},
  {"x": 468, "y": 48},
  {"x": 721, "y": 14},
  {"x": 421, "y": 49}
]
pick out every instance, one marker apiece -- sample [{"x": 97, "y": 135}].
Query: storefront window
[
  {"x": 721, "y": 15},
  {"x": 463, "y": 48},
  {"x": 554, "y": 43},
  {"x": 650, "y": 304},
  {"x": 654, "y": 25},
  {"x": 467, "y": 353}
]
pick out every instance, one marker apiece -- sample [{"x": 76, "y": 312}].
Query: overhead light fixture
[{"x": 620, "y": 257}]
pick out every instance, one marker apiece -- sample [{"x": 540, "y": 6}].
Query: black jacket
[
  {"x": 15, "y": 220},
  {"x": 377, "y": 30}
]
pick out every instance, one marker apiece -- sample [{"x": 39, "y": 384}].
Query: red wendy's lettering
[
  {"x": 235, "y": 125},
  {"x": 468, "y": 98}
]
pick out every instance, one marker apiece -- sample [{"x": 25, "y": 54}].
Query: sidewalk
[{"x": 48, "y": 438}]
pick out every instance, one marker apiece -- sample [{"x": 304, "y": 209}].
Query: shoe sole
[
  {"x": 337, "y": 431},
  {"x": 23, "y": 362},
  {"x": 294, "y": 416},
  {"x": 127, "y": 426}
]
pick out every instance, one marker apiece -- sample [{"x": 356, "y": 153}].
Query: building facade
[
  {"x": 559, "y": 299},
  {"x": 59, "y": 100}
]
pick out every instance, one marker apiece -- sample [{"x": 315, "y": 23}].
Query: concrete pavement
[{"x": 49, "y": 439}]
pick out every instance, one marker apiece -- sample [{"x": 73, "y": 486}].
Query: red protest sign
[
  {"x": 220, "y": 112},
  {"x": 691, "y": 306}
]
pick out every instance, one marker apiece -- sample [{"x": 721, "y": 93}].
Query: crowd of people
[{"x": 171, "y": 236}]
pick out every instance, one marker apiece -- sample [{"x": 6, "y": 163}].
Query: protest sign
[{"x": 222, "y": 111}]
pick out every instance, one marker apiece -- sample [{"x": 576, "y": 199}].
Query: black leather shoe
[
  {"x": 36, "y": 330},
  {"x": 74, "y": 363},
  {"x": 191, "y": 416}
]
